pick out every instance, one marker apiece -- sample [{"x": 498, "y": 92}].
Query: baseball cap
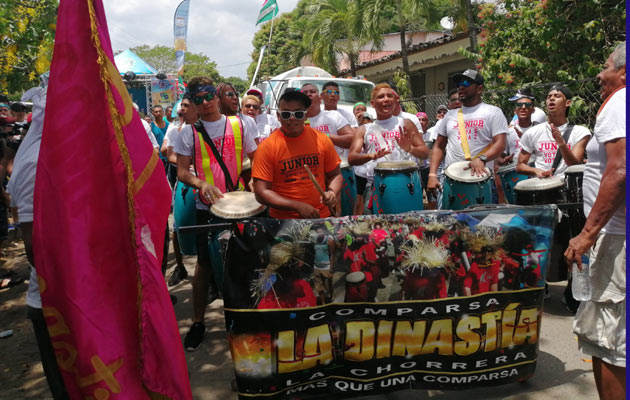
[
  {"x": 471, "y": 74},
  {"x": 442, "y": 107},
  {"x": 522, "y": 94},
  {"x": 565, "y": 90},
  {"x": 255, "y": 91}
]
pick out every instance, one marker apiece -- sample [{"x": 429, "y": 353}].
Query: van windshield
[{"x": 351, "y": 92}]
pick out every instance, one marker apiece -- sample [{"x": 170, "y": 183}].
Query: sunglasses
[
  {"x": 286, "y": 115},
  {"x": 229, "y": 94},
  {"x": 198, "y": 100},
  {"x": 524, "y": 105},
  {"x": 254, "y": 106},
  {"x": 464, "y": 83},
  {"x": 330, "y": 91},
  {"x": 444, "y": 111}
]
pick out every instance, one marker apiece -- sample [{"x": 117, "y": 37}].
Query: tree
[
  {"x": 335, "y": 27},
  {"x": 285, "y": 50},
  {"x": 162, "y": 58},
  {"x": 27, "y": 31}
]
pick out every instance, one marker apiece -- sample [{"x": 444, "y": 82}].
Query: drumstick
[{"x": 319, "y": 188}]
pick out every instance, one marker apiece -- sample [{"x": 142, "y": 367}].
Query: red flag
[{"x": 100, "y": 211}]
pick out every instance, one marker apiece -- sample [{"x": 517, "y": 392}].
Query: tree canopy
[
  {"x": 162, "y": 58},
  {"x": 27, "y": 31}
]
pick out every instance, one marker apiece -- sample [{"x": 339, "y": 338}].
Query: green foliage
[
  {"x": 162, "y": 58},
  {"x": 27, "y": 31},
  {"x": 400, "y": 82}
]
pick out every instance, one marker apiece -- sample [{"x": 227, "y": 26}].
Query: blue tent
[{"x": 129, "y": 61}]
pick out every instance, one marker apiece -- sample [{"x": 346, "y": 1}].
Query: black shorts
[{"x": 361, "y": 183}]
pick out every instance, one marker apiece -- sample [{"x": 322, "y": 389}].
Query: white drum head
[
  {"x": 237, "y": 205},
  {"x": 247, "y": 164},
  {"x": 355, "y": 277},
  {"x": 575, "y": 169},
  {"x": 508, "y": 167},
  {"x": 395, "y": 165},
  {"x": 457, "y": 172},
  {"x": 536, "y": 184},
  {"x": 344, "y": 163}
]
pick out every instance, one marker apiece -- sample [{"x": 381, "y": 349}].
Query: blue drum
[
  {"x": 185, "y": 214},
  {"x": 397, "y": 188},
  {"x": 509, "y": 179},
  {"x": 348, "y": 190},
  {"x": 462, "y": 189}
]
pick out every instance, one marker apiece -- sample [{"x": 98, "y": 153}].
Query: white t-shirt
[
  {"x": 539, "y": 141},
  {"x": 390, "y": 133},
  {"x": 610, "y": 125},
  {"x": 147, "y": 128},
  {"x": 483, "y": 122},
  {"x": 185, "y": 145},
  {"x": 513, "y": 141},
  {"x": 21, "y": 186},
  {"x": 433, "y": 131},
  {"x": 413, "y": 119},
  {"x": 348, "y": 116},
  {"x": 329, "y": 122},
  {"x": 266, "y": 123}
]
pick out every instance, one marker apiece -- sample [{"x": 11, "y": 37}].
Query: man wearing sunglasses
[
  {"x": 484, "y": 127},
  {"x": 331, "y": 96},
  {"x": 280, "y": 179},
  {"x": 545, "y": 140},
  {"x": 332, "y": 123},
  {"x": 214, "y": 175}
]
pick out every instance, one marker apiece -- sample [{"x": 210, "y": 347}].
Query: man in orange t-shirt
[{"x": 280, "y": 179}]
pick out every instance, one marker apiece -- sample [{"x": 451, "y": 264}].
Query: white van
[{"x": 351, "y": 91}]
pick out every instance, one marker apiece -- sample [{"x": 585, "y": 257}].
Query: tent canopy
[{"x": 129, "y": 61}]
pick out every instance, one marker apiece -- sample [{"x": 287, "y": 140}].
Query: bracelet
[{"x": 434, "y": 175}]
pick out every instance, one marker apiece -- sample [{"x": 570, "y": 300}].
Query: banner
[
  {"x": 268, "y": 10},
  {"x": 101, "y": 205},
  {"x": 180, "y": 30},
  {"x": 374, "y": 304},
  {"x": 164, "y": 92}
]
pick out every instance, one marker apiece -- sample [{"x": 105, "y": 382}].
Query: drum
[
  {"x": 573, "y": 176},
  {"x": 462, "y": 189},
  {"x": 348, "y": 190},
  {"x": 185, "y": 214},
  {"x": 246, "y": 171},
  {"x": 509, "y": 179},
  {"x": 233, "y": 206},
  {"x": 535, "y": 191},
  {"x": 397, "y": 187}
]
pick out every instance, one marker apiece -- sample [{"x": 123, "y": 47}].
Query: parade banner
[
  {"x": 180, "y": 30},
  {"x": 164, "y": 92},
  {"x": 101, "y": 205},
  {"x": 380, "y": 303}
]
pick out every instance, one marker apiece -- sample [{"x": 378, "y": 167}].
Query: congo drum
[
  {"x": 535, "y": 191},
  {"x": 573, "y": 176},
  {"x": 397, "y": 187},
  {"x": 185, "y": 214},
  {"x": 349, "y": 189},
  {"x": 509, "y": 179},
  {"x": 462, "y": 189}
]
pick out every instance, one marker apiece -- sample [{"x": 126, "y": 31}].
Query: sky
[{"x": 223, "y": 30}]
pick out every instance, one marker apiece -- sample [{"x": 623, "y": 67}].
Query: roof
[
  {"x": 129, "y": 61},
  {"x": 416, "y": 48}
]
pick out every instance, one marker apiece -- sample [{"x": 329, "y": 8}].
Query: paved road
[{"x": 562, "y": 372}]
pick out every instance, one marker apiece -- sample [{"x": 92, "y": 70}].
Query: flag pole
[
  {"x": 260, "y": 57},
  {"x": 269, "y": 41}
]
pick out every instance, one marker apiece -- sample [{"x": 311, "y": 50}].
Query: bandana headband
[{"x": 204, "y": 88}]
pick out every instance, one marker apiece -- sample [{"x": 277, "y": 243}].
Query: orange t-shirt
[{"x": 280, "y": 159}]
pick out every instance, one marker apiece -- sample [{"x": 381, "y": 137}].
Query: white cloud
[{"x": 221, "y": 29}]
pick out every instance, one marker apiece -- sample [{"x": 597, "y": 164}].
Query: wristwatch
[{"x": 483, "y": 158}]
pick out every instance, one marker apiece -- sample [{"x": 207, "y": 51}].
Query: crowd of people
[{"x": 206, "y": 144}]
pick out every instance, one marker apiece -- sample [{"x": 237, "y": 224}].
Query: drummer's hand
[
  {"x": 433, "y": 185},
  {"x": 404, "y": 141},
  {"x": 505, "y": 160},
  {"x": 542, "y": 174},
  {"x": 379, "y": 154},
  {"x": 329, "y": 199},
  {"x": 306, "y": 210},
  {"x": 210, "y": 192},
  {"x": 557, "y": 136},
  {"x": 577, "y": 246},
  {"x": 477, "y": 167}
]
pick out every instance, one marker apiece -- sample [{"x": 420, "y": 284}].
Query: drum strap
[
  {"x": 462, "y": 134},
  {"x": 565, "y": 137},
  {"x": 226, "y": 173}
]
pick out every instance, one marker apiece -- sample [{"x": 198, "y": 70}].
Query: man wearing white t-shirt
[
  {"x": 485, "y": 127},
  {"x": 330, "y": 97},
  {"x": 217, "y": 132},
  {"x": 544, "y": 140},
  {"x": 600, "y": 324},
  {"x": 332, "y": 123},
  {"x": 389, "y": 138}
]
